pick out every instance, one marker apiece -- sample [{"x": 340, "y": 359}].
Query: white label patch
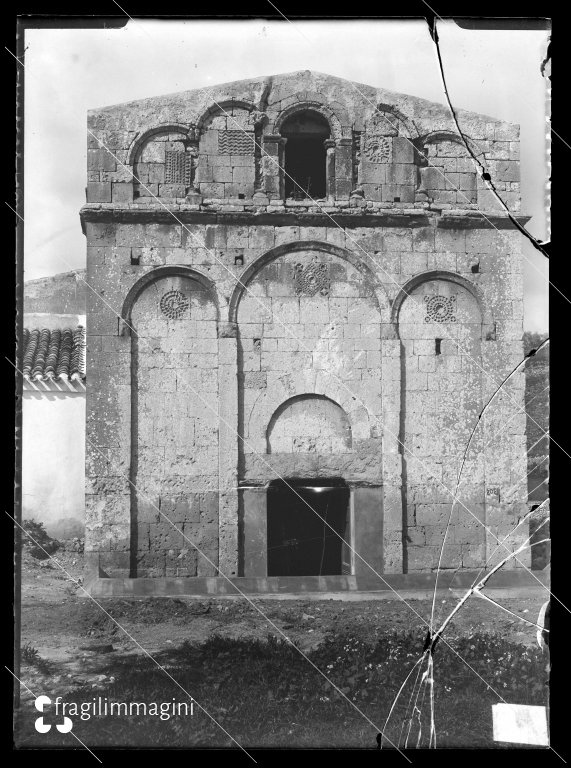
[{"x": 520, "y": 724}]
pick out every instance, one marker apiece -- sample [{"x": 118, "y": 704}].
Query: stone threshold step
[{"x": 304, "y": 585}]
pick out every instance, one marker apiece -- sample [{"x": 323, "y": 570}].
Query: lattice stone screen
[{"x": 177, "y": 167}]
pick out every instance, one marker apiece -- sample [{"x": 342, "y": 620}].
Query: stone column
[
  {"x": 255, "y": 506},
  {"x": 343, "y": 168},
  {"x": 368, "y": 527},
  {"x": 228, "y": 449},
  {"x": 108, "y": 420},
  {"x": 330, "y": 169},
  {"x": 193, "y": 193},
  {"x": 505, "y": 459},
  {"x": 272, "y": 162},
  {"x": 360, "y": 159},
  {"x": 394, "y": 471}
]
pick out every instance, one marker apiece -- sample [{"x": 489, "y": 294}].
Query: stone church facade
[{"x": 306, "y": 292}]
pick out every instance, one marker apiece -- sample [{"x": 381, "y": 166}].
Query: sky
[{"x": 67, "y": 72}]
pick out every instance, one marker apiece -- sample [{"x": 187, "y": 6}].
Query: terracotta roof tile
[{"x": 56, "y": 354}]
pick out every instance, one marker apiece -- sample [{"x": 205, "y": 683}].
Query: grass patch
[{"x": 265, "y": 693}]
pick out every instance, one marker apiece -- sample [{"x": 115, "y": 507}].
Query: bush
[
  {"x": 29, "y": 655},
  {"x": 37, "y": 541}
]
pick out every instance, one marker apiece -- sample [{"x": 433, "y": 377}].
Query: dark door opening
[
  {"x": 299, "y": 541},
  {"x": 305, "y": 155},
  {"x": 305, "y": 168}
]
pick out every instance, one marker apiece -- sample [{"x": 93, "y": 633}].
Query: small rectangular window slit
[
  {"x": 437, "y": 346},
  {"x": 135, "y": 261}
]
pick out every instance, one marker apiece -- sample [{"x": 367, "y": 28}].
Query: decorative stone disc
[
  {"x": 440, "y": 309},
  {"x": 174, "y": 304},
  {"x": 377, "y": 148}
]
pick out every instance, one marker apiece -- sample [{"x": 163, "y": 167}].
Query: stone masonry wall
[
  {"x": 313, "y": 313},
  {"x": 399, "y": 255},
  {"x": 175, "y": 396},
  {"x": 280, "y": 306},
  {"x": 162, "y": 167},
  {"x": 440, "y": 326},
  {"x": 375, "y": 151},
  {"x": 449, "y": 175},
  {"x": 226, "y": 162}
]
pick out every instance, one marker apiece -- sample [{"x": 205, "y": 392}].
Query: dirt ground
[{"x": 78, "y": 640}]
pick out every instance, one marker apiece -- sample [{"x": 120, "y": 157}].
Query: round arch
[
  {"x": 147, "y": 133},
  {"x": 408, "y": 123},
  {"x": 303, "y": 245},
  {"x": 305, "y": 384},
  {"x": 335, "y": 122},
  {"x": 335, "y": 411},
  {"x": 451, "y": 277},
  {"x": 437, "y": 136},
  {"x": 221, "y": 107},
  {"x": 156, "y": 274}
]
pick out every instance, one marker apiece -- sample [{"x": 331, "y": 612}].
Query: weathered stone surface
[{"x": 355, "y": 337}]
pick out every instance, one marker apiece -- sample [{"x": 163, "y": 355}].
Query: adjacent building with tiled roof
[
  {"x": 52, "y": 364},
  {"x": 54, "y": 359}
]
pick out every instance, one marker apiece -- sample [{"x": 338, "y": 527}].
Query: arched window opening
[{"x": 305, "y": 155}]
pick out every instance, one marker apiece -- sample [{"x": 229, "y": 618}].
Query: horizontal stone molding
[
  {"x": 262, "y": 486},
  {"x": 346, "y": 217},
  {"x": 479, "y": 220}
]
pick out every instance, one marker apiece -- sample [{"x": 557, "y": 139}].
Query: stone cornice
[
  {"x": 480, "y": 220},
  {"x": 345, "y": 217}
]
